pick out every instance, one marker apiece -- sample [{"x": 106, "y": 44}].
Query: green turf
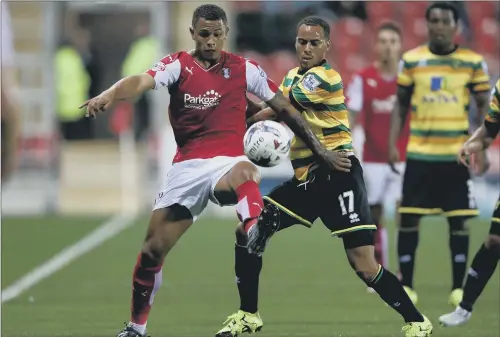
[
  {"x": 29, "y": 241},
  {"x": 307, "y": 288}
]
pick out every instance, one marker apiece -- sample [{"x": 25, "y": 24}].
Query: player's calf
[
  {"x": 360, "y": 252},
  {"x": 242, "y": 181},
  {"x": 166, "y": 226}
]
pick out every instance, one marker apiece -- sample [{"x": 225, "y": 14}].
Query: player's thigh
[
  {"x": 376, "y": 176},
  {"x": 295, "y": 202},
  {"x": 188, "y": 184},
  {"x": 420, "y": 194},
  {"x": 166, "y": 226},
  {"x": 344, "y": 202},
  {"x": 456, "y": 191},
  {"x": 232, "y": 172}
]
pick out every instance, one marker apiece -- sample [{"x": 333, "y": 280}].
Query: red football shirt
[
  {"x": 207, "y": 106},
  {"x": 374, "y": 97}
]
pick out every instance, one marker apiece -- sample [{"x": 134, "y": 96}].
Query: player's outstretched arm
[
  {"x": 262, "y": 115},
  {"x": 126, "y": 88},
  {"x": 398, "y": 119},
  {"x": 293, "y": 118}
]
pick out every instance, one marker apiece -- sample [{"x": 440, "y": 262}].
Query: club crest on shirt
[
  {"x": 160, "y": 66},
  {"x": 310, "y": 82},
  {"x": 226, "y": 72}
]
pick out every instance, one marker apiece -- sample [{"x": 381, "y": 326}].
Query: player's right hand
[
  {"x": 99, "y": 103},
  {"x": 394, "y": 158},
  {"x": 338, "y": 161}
]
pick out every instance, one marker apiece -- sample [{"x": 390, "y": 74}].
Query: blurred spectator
[
  {"x": 142, "y": 54},
  {"x": 342, "y": 9},
  {"x": 464, "y": 18},
  {"x": 10, "y": 115},
  {"x": 72, "y": 85}
]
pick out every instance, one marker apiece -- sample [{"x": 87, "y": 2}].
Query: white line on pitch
[{"x": 106, "y": 231}]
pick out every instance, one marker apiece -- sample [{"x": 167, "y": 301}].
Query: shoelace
[{"x": 235, "y": 328}]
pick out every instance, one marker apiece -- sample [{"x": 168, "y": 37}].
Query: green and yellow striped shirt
[
  {"x": 440, "y": 101},
  {"x": 319, "y": 94}
]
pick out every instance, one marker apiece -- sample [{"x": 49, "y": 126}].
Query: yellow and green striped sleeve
[
  {"x": 480, "y": 80},
  {"x": 320, "y": 91},
  {"x": 405, "y": 73},
  {"x": 493, "y": 115},
  {"x": 492, "y": 120}
]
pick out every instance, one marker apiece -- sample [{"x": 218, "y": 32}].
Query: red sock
[
  {"x": 250, "y": 203},
  {"x": 146, "y": 282},
  {"x": 381, "y": 246}
]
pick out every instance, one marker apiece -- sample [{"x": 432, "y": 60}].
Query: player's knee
[
  {"x": 243, "y": 172},
  {"x": 360, "y": 253},
  {"x": 241, "y": 235},
  {"x": 409, "y": 222},
  {"x": 154, "y": 249},
  {"x": 493, "y": 242},
  {"x": 457, "y": 226}
]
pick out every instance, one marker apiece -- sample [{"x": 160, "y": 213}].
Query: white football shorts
[
  {"x": 191, "y": 183},
  {"x": 382, "y": 184}
]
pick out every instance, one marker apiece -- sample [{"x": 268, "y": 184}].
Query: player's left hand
[{"x": 99, "y": 103}]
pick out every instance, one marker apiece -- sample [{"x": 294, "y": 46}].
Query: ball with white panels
[{"x": 267, "y": 143}]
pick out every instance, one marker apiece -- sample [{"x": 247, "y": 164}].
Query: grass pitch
[{"x": 307, "y": 286}]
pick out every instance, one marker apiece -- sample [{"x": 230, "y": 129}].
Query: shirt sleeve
[
  {"x": 405, "y": 72},
  {"x": 318, "y": 88},
  {"x": 480, "y": 80},
  {"x": 354, "y": 94},
  {"x": 258, "y": 83},
  {"x": 166, "y": 71},
  {"x": 492, "y": 120}
]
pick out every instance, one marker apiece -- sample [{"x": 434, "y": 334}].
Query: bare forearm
[
  {"x": 482, "y": 103},
  {"x": 303, "y": 130},
  {"x": 132, "y": 86},
  {"x": 293, "y": 118},
  {"x": 482, "y": 137},
  {"x": 397, "y": 122},
  {"x": 262, "y": 115}
]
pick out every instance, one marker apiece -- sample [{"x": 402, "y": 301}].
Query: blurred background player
[
  {"x": 486, "y": 259},
  {"x": 435, "y": 80},
  {"x": 336, "y": 196},
  {"x": 370, "y": 99},
  {"x": 10, "y": 116},
  {"x": 207, "y": 111}
]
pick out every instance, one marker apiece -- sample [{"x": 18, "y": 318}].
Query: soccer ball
[{"x": 267, "y": 143}]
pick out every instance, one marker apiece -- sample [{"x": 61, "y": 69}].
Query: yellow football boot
[
  {"x": 418, "y": 329},
  {"x": 412, "y": 294},
  {"x": 239, "y": 323},
  {"x": 456, "y": 297}
]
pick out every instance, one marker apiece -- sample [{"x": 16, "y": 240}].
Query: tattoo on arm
[{"x": 293, "y": 118}]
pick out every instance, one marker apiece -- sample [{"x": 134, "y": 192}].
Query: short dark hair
[
  {"x": 391, "y": 26},
  {"x": 209, "y": 12},
  {"x": 447, "y": 6},
  {"x": 315, "y": 21}
]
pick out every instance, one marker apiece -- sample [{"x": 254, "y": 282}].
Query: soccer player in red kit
[
  {"x": 370, "y": 99},
  {"x": 208, "y": 88}
]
